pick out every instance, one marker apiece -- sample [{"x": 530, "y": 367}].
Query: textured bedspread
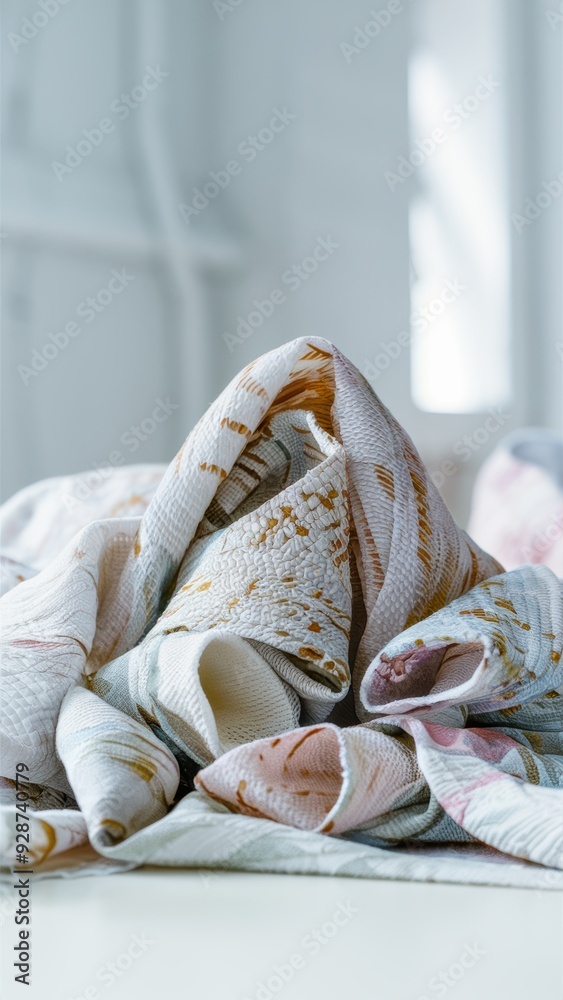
[{"x": 280, "y": 653}]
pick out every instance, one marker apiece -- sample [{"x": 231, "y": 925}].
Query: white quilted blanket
[{"x": 174, "y": 647}]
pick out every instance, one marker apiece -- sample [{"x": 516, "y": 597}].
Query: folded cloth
[
  {"x": 517, "y": 509},
  {"x": 37, "y": 523},
  {"x": 293, "y": 538},
  {"x": 490, "y": 657}
]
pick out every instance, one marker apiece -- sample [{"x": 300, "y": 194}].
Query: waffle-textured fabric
[{"x": 289, "y": 621}]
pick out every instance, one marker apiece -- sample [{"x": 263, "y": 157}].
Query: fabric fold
[
  {"x": 322, "y": 779},
  {"x": 495, "y": 646},
  {"x": 418, "y": 771},
  {"x": 122, "y": 776},
  {"x": 201, "y": 693},
  {"x": 55, "y": 824},
  {"x": 49, "y": 628}
]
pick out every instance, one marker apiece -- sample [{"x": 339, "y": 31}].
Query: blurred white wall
[{"x": 335, "y": 82}]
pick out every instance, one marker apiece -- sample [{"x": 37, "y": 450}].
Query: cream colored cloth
[{"x": 294, "y": 536}]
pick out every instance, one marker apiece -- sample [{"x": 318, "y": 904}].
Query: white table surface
[{"x": 219, "y": 936}]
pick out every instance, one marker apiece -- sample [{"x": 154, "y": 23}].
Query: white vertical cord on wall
[
  {"x": 187, "y": 257},
  {"x": 180, "y": 255}
]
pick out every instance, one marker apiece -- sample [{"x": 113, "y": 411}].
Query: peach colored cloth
[{"x": 518, "y": 501}]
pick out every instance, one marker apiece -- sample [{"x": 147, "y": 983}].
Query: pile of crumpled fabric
[{"x": 278, "y": 654}]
